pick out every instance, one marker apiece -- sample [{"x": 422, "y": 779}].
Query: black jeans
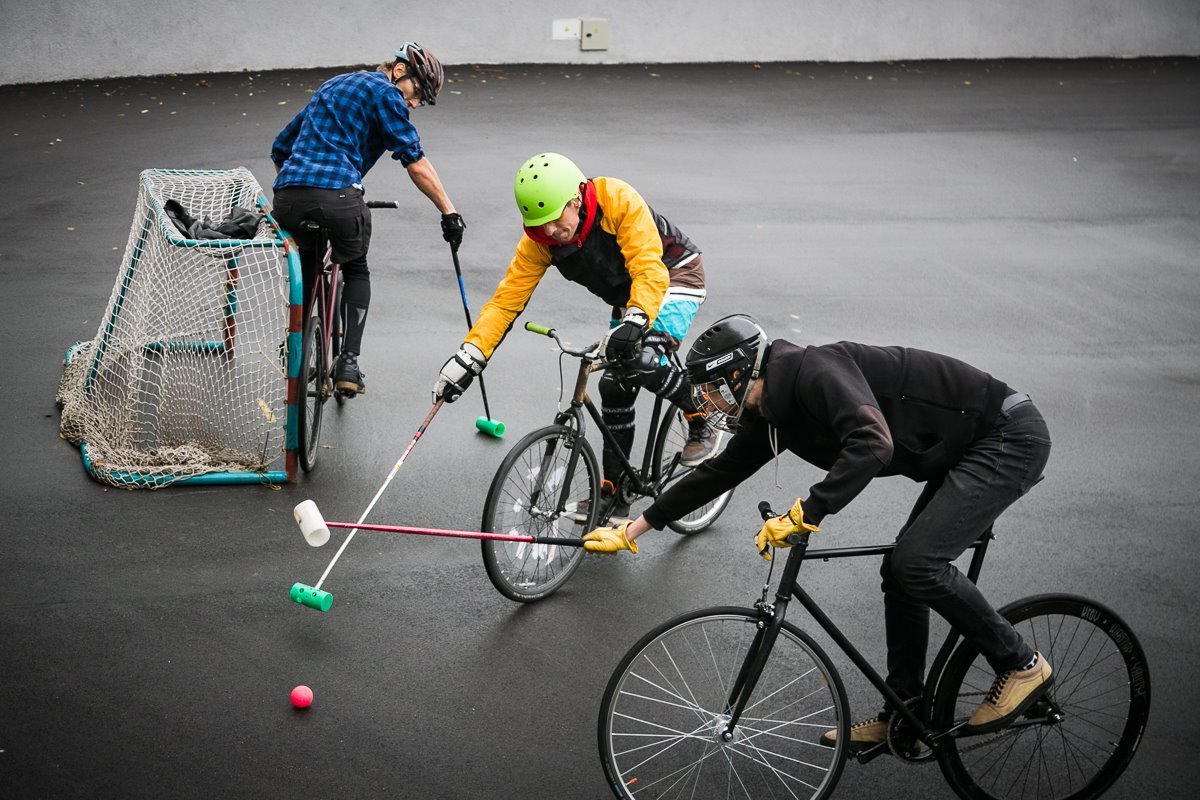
[
  {"x": 348, "y": 220},
  {"x": 950, "y": 514}
]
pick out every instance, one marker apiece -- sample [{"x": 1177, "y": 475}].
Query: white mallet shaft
[{"x": 311, "y": 523}]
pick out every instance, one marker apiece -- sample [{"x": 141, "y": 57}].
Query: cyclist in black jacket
[{"x": 860, "y": 411}]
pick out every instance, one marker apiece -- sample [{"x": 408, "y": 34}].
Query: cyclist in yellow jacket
[{"x": 600, "y": 233}]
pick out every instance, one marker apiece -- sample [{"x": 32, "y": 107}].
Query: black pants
[
  {"x": 653, "y": 369},
  {"x": 344, "y": 214},
  {"x": 950, "y": 514}
]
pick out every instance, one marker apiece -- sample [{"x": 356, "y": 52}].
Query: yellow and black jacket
[{"x": 624, "y": 253}]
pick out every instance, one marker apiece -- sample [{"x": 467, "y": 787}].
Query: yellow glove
[
  {"x": 775, "y": 531},
  {"x": 609, "y": 540}
]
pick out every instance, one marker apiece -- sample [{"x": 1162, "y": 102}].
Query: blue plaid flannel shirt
[{"x": 346, "y": 126}]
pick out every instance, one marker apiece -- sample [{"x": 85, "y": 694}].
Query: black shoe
[
  {"x": 346, "y": 375},
  {"x": 618, "y": 512},
  {"x": 701, "y": 443}
]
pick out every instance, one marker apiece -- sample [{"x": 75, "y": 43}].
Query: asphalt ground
[{"x": 1038, "y": 219}]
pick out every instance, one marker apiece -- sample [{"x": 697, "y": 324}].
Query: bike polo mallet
[
  {"x": 312, "y": 596},
  {"x": 486, "y": 424},
  {"x": 315, "y": 530}
]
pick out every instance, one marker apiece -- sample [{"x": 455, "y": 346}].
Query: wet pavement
[{"x": 1038, "y": 219}]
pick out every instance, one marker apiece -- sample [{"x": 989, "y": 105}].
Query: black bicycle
[
  {"x": 321, "y": 344},
  {"x": 549, "y": 485},
  {"x": 731, "y": 702}
]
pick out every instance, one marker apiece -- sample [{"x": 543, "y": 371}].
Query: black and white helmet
[{"x": 723, "y": 363}]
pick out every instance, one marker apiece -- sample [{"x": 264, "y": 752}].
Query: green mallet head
[
  {"x": 492, "y": 427},
  {"x": 313, "y": 598}
]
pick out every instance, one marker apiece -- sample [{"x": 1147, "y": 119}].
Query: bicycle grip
[
  {"x": 764, "y": 509},
  {"x": 533, "y": 327},
  {"x": 383, "y": 204}
]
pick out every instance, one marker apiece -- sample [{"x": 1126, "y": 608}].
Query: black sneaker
[
  {"x": 618, "y": 513},
  {"x": 701, "y": 443},
  {"x": 346, "y": 375}
]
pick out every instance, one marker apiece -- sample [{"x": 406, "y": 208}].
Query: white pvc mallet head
[{"x": 311, "y": 523}]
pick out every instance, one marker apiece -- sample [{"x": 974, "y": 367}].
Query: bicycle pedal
[{"x": 871, "y": 753}]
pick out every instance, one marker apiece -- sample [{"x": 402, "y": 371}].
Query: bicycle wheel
[
  {"x": 526, "y": 498},
  {"x": 314, "y": 373},
  {"x": 1076, "y": 741},
  {"x": 672, "y": 436},
  {"x": 665, "y": 707}
]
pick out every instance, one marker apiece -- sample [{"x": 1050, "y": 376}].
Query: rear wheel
[
  {"x": 537, "y": 491},
  {"x": 1077, "y": 740},
  {"x": 664, "y": 713},
  {"x": 314, "y": 378},
  {"x": 672, "y": 436}
]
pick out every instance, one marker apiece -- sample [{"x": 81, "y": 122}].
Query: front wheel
[
  {"x": 545, "y": 486},
  {"x": 672, "y": 436},
  {"x": 1077, "y": 740},
  {"x": 314, "y": 375},
  {"x": 664, "y": 714}
]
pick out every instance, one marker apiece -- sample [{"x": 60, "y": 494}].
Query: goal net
[{"x": 187, "y": 377}]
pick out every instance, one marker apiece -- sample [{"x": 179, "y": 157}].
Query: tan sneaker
[
  {"x": 701, "y": 443},
  {"x": 1011, "y": 694},
  {"x": 863, "y": 735}
]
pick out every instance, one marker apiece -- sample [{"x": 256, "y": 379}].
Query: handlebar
[
  {"x": 383, "y": 204},
  {"x": 585, "y": 352},
  {"x": 764, "y": 510}
]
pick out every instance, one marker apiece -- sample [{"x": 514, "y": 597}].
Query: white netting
[{"x": 187, "y": 373}]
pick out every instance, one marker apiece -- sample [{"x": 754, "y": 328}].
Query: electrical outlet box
[
  {"x": 564, "y": 29},
  {"x": 594, "y": 34}
]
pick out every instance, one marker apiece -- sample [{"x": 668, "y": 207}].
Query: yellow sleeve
[
  {"x": 529, "y": 264},
  {"x": 628, "y": 217}
]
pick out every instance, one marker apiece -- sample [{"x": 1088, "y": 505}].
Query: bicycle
[
  {"x": 730, "y": 702},
  {"x": 321, "y": 343},
  {"x": 542, "y": 482}
]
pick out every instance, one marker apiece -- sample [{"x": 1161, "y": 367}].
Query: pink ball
[{"x": 302, "y": 697}]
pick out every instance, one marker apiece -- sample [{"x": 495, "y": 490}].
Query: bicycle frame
[
  {"x": 572, "y": 416},
  {"x": 769, "y": 627}
]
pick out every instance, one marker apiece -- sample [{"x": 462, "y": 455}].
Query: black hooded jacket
[{"x": 855, "y": 410}]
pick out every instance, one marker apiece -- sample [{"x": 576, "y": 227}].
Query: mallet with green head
[
  {"x": 492, "y": 427},
  {"x": 312, "y": 596}
]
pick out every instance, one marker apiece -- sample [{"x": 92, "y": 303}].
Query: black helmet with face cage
[{"x": 722, "y": 364}]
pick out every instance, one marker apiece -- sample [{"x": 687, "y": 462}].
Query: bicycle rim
[
  {"x": 672, "y": 437},
  {"x": 314, "y": 371},
  {"x": 524, "y": 499},
  {"x": 1101, "y": 689},
  {"x": 665, "y": 708}
]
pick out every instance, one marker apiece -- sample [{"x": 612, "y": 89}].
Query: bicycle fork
[{"x": 769, "y": 625}]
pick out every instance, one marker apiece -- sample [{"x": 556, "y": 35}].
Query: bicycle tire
[
  {"x": 528, "y": 572},
  {"x": 1101, "y": 684},
  {"x": 672, "y": 435},
  {"x": 314, "y": 374},
  {"x": 664, "y": 707}
]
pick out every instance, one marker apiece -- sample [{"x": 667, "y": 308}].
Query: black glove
[
  {"x": 452, "y": 229},
  {"x": 623, "y": 341}
]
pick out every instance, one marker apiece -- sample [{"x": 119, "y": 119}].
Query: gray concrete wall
[{"x": 49, "y": 40}]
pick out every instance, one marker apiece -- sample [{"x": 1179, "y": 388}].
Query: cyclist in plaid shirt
[{"x": 321, "y": 157}]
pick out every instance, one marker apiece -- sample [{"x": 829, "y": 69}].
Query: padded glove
[
  {"x": 609, "y": 540},
  {"x": 458, "y": 372},
  {"x": 775, "y": 531},
  {"x": 622, "y": 342},
  {"x": 452, "y": 229}
]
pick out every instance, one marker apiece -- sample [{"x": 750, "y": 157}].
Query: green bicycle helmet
[{"x": 544, "y": 185}]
